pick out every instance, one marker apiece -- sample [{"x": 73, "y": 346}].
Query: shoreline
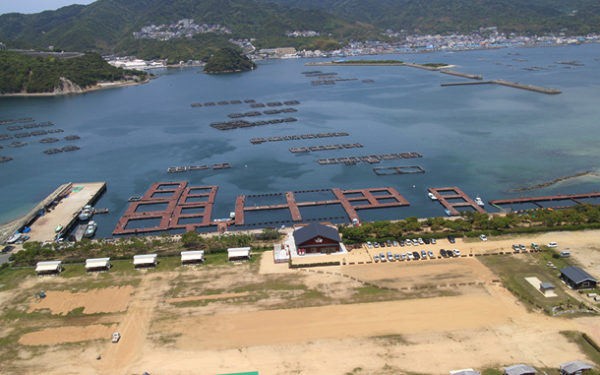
[
  {"x": 589, "y": 173},
  {"x": 97, "y": 87}
]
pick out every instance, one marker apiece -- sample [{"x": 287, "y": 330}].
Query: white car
[
  {"x": 456, "y": 252},
  {"x": 116, "y": 337},
  {"x": 552, "y": 244},
  {"x": 483, "y": 237},
  {"x": 420, "y": 240}
]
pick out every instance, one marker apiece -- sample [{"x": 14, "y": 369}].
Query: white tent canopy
[
  {"x": 47, "y": 267},
  {"x": 145, "y": 260},
  {"x": 192, "y": 256},
  {"x": 97, "y": 263},
  {"x": 238, "y": 253}
]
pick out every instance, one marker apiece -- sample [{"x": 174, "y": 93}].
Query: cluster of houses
[
  {"x": 55, "y": 267},
  {"x": 569, "y": 368}
]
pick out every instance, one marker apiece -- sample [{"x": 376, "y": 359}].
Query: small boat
[
  {"x": 58, "y": 228},
  {"x": 86, "y": 212},
  {"x": 90, "y": 229},
  {"x": 14, "y": 238},
  {"x": 135, "y": 198},
  {"x": 479, "y": 201},
  {"x": 232, "y": 215},
  {"x": 432, "y": 196}
]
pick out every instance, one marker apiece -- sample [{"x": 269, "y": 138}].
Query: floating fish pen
[
  {"x": 345, "y": 79},
  {"x": 13, "y": 128},
  {"x": 411, "y": 169},
  {"x": 235, "y": 102},
  {"x": 291, "y": 102},
  {"x": 257, "y": 105},
  {"x": 247, "y": 114},
  {"x": 371, "y": 159},
  {"x": 4, "y": 159},
  {"x": 4, "y": 137},
  {"x": 8, "y": 122},
  {"x": 49, "y": 140},
  {"x": 72, "y": 138},
  {"x": 311, "y": 72},
  {"x": 196, "y": 105},
  {"x": 229, "y": 125},
  {"x": 70, "y": 148},
  {"x": 52, "y": 131},
  {"x": 210, "y": 104},
  {"x": 38, "y": 125},
  {"x": 322, "y": 82},
  {"x": 223, "y": 102},
  {"x": 297, "y": 150},
  {"x": 298, "y": 137},
  {"x": 367, "y": 81},
  {"x": 221, "y": 166},
  {"x": 17, "y": 144},
  {"x": 249, "y": 101},
  {"x": 176, "y": 169},
  {"x": 274, "y": 104},
  {"x": 22, "y": 135},
  {"x": 53, "y": 151},
  {"x": 278, "y": 111},
  {"x": 39, "y": 132},
  {"x": 197, "y": 167},
  {"x": 572, "y": 63}
]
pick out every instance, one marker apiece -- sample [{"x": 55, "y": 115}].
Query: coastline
[{"x": 98, "y": 87}]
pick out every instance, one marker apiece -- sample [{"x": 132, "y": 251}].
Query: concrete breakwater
[
  {"x": 459, "y": 74},
  {"x": 517, "y": 85}
]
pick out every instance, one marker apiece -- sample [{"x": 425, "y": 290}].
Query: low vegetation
[
  {"x": 228, "y": 60},
  {"x": 472, "y": 224},
  {"x": 22, "y": 73}
]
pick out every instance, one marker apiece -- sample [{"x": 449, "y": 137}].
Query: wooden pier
[
  {"x": 456, "y": 193},
  {"x": 551, "y": 198}
]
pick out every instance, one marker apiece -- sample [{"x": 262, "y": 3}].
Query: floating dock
[
  {"x": 443, "y": 197},
  {"x": 409, "y": 169},
  {"x": 551, "y": 198},
  {"x": 257, "y": 141},
  {"x": 541, "y": 90}
]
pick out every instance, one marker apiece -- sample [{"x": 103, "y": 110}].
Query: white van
[{"x": 565, "y": 254}]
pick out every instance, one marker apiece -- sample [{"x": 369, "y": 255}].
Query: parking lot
[{"x": 443, "y": 248}]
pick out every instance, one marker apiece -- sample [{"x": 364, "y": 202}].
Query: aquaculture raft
[
  {"x": 410, "y": 169},
  {"x": 535, "y": 200},
  {"x": 455, "y": 193}
]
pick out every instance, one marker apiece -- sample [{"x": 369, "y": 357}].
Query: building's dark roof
[
  {"x": 574, "y": 367},
  {"x": 547, "y": 285},
  {"x": 519, "y": 370},
  {"x": 313, "y": 230},
  {"x": 576, "y": 274}
]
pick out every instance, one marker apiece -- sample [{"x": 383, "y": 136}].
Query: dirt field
[
  {"x": 95, "y": 301},
  {"x": 330, "y": 320},
  {"x": 62, "y": 335}
]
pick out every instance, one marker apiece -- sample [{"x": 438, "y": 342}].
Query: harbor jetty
[
  {"x": 453, "y": 197},
  {"x": 459, "y": 74},
  {"x": 541, "y": 90},
  {"x": 60, "y": 208}
]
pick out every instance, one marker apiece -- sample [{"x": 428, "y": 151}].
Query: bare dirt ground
[
  {"x": 208, "y": 297},
  {"x": 105, "y": 300},
  {"x": 62, "y": 335},
  {"x": 266, "y": 328}
]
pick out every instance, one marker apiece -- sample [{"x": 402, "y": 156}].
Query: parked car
[
  {"x": 390, "y": 257},
  {"x": 456, "y": 252},
  {"x": 116, "y": 337},
  {"x": 565, "y": 254},
  {"x": 427, "y": 241},
  {"x": 401, "y": 243},
  {"x": 443, "y": 253},
  {"x": 430, "y": 253},
  {"x": 423, "y": 254},
  {"x": 416, "y": 255},
  {"x": 433, "y": 241},
  {"x": 376, "y": 258},
  {"x": 389, "y": 243},
  {"x": 382, "y": 244},
  {"x": 410, "y": 256},
  {"x": 404, "y": 257},
  {"x": 369, "y": 244},
  {"x": 375, "y": 244},
  {"x": 552, "y": 244},
  {"x": 522, "y": 247},
  {"x": 397, "y": 257},
  {"x": 408, "y": 243},
  {"x": 7, "y": 249},
  {"x": 449, "y": 253},
  {"x": 415, "y": 242},
  {"x": 483, "y": 237},
  {"x": 451, "y": 239},
  {"x": 515, "y": 247},
  {"x": 535, "y": 246},
  {"x": 420, "y": 240},
  {"x": 395, "y": 243},
  {"x": 382, "y": 258}
]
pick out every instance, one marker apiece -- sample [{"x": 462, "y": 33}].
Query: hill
[
  {"x": 442, "y": 16},
  {"x": 228, "y": 60},
  {"x": 30, "y": 74},
  {"x": 107, "y": 26}
]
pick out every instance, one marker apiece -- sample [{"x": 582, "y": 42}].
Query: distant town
[{"x": 184, "y": 28}]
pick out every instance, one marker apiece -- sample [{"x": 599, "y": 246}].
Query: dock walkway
[{"x": 455, "y": 194}]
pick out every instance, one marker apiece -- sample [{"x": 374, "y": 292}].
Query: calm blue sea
[{"x": 485, "y": 139}]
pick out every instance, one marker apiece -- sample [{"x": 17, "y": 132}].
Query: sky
[{"x": 35, "y": 6}]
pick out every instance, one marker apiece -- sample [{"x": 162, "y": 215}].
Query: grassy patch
[
  {"x": 392, "y": 339},
  {"x": 491, "y": 371},
  {"x": 577, "y": 338}
]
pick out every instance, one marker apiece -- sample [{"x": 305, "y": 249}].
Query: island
[
  {"x": 228, "y": 60},
  {"x": 427, "y": 66},
  {"x": 32, "y": 73}
]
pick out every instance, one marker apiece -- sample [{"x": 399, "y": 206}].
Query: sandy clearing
[
  {"x": 338, "y": 321},
  {"x": 107, "y": 300},
  {"x": 208, "y": 297},
  {"x": 62, "y": 335}
]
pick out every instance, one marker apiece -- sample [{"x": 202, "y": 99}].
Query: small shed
[
  {"x": 520, "y": 369},
  {"x": 97, "y": 264},
  {"x": 280, "y": 254},
  {"x": 547, "y": 288},
  {"x": 192, "y": 257},
  {"x": 574, "y": 368},
  {"x": 145, "y": 260},
  {"x": 48, "y": 268},
  {"x": 238, "y": 254},
  {"x": 577, "y": 278},
  {"x": 466, "y": 371}
]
